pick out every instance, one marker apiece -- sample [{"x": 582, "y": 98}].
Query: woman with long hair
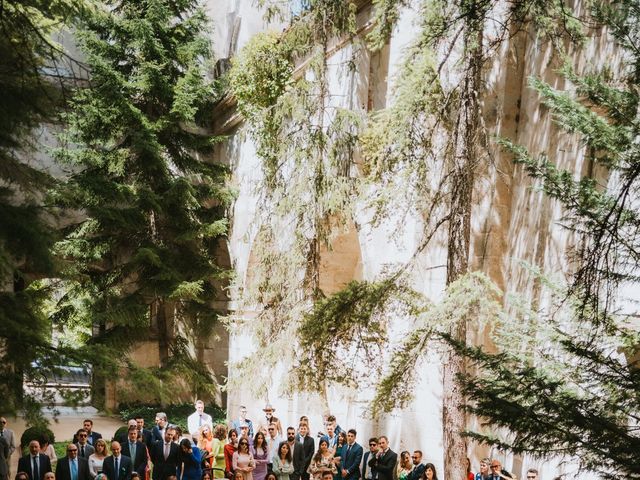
[
  {"x": 404, "y": 466},
  {"x": 430, "y": 472},
  {"x": 484, "y": 469},
  {"x": 282, "y": 462},
  {"x": 96, "y": 459},
  {"x": 217, "y": 450},
  {"x": 189, "y": 461},
  {"x": 229, "y": 450},
  {"x": 243, "y": 460},
  {"x": 205, "y": 444},
  {"x": 260, "y": 452},
  {"x": 322, "y": 461}
]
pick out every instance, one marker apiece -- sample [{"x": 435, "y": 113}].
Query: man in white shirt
[
  {"x": 197, "y": 419},
  {"x": 273, "y": 440}
]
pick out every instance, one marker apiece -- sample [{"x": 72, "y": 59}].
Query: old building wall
[{"x": 513, "y": 224}]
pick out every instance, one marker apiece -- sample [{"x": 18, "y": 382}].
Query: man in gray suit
[
  {"x": 84, "y": 449},
  {"x": 9, "y": 437}
]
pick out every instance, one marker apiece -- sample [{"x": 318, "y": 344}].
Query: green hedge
[
  {"x": 36, "y": 433},
  {"x": 177, "y": 414}
]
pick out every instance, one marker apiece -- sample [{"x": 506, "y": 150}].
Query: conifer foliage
[{"x": 150, "y": 202}]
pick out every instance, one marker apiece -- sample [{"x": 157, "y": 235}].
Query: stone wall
[{"x": 513, "y": 223}]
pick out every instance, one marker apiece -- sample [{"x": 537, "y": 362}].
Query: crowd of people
[{"x": 241, "y": 450}]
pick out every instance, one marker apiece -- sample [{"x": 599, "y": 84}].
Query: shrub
[{"x": 40, "y": 433}]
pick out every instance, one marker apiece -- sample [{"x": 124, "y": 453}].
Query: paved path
[{"x": 68, "y": 422}]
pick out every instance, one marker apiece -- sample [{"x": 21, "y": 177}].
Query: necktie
[
  {"x": 74, "y": 470},
  {"x": 36, "y": 468},
  {"x": 200, "y": 420},
  {"x": 132, "y": 450},
  {"x": 166, "y": 450},
  {"x": 348, "y": 450},
  {"x": 82, "y": 451},
  {"x": 115, "y": 468}
]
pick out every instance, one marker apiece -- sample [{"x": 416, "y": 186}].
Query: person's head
[
  {"x": 268, "y": 410},
  {"x": 272, "y": 429},
  {"x": 206, "y": 475},
  {"x": 161, "y": 419},
  {"x": 416, "y": 458},
  {"x": 405, "y": 459},
  {"x": 271, "y": 476},
  {"x": 331, "y": 420},
  {"x": 484, "y": 465},
  {"x": 284, "y": 451},
  {"x": 177, "y": 435},
  {"x": 101, "y": 447},
  {"x": 323, "y": 446},
  {"x": 495, "y": 466},
  {"x": 220, "y": 431},
  {"x": 205, "y": 432},
  {"x": 115, "y": 449},
  {"x": 303, "y": 429},
  {"x": 233, "y": 436},
  {"x": 133, "y": 433},
  {"x": 327, "y": 475},
  {"x": 331, "y": 430},
  {"x": 342, "y": 438},
  {"x": 243, "y": 445},
  {"x": 3, "y": 422},
  {"x": 72, "y": 451},
  {"x": 22, "y": 476},
  {"x": 185, "y": 445},
  {"x": 172, "y": 477},
  {"x": 291, "y": 434},
  {"x": 238, "y": 475},
  {"x": 82, "y": 435},
  {"x": 88, "y": 425},
  {"x": 259, "y": 440},
  {"x": 532, "y": 474},
  {"x": 430, "y": 472},
  {"x": 49, "y": 476},
  {"x": 242, "y": 412},
  {"x": 34, "y": 447},
  {"x": 244, "y": 430},
  {"x": 139, "y": 422},
  {"x": 351, "y": 436},
  {"x": 383, "y": 443},
  {"x": 199, "y": 406},
  {"x": 169, "y": 434},
  {"x": 135, "y": 475},
  {"x": 132, "y": 423},
  {"x": 373, "y": 444}
]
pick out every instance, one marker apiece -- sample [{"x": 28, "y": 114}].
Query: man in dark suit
[
  {"x": 297, "y": 454},
  {"x": 144, "y": 435},
  {"x": 308, "y": 447},
  {"x": 92, "y": 437},
  {"x": 84, "y": 449},
  {"x": 367, "y": 473},
  {"x": 418, "y": 466},
  {"x": 4, "y": 454},
  {"x": 34, "y": 463},
  {"x": 384, "y": 462},
  {"x": 158, "y": 431},
  {"x": 72, "y": 467},
  {"x": 352, "y": 457},
  {"x": 136, "y": 451},
  {"x": 116, "y": 466},
  {"x": 164, "y": 456}
]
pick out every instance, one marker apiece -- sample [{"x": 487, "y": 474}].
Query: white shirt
[
  {"x": 273, "y": 444},
  {"x": 196, "y": 420}
]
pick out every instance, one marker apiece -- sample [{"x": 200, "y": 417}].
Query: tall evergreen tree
[
  {"x": 575, "y": 389},
  {"x": 34, "y": 75},
  {"x": 151, "y": 203}
]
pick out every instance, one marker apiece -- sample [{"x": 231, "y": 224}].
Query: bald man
[{"x": 117, "y": 466}]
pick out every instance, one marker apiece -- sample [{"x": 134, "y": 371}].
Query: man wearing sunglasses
[
  {"x": 84, "y": 449},
  {"x": 367, "y": 472}
]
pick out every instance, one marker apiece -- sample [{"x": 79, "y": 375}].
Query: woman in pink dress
[{"x": 243, "y": 460}]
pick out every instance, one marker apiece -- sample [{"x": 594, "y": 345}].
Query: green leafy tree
[
  {"x": 575, "y": 391},
  {"x": 35, "y": 73},
  {"x": 151, "y": 203}
]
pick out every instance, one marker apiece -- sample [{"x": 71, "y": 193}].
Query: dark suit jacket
[
  {"x": 417, "y": 472},
  {"x": 146, "y": 436},
  {"x": 156, "y": 436},
  {"x": 308, "y": 447},
  {"x": 384, "y": 465},
  {"x": 4, "y": 456},
  {"x": 140, "y": 462},
  {"x": 365, "y": 467},
  {"x": 163, "y": 468},
  {"x": 63, "y": 469},
  {"x": 351, "y": 461},
  {"x": 24, "y": 465},
  {"x": 124, "y": 468},
  {"x": 298, "y": 461}
]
